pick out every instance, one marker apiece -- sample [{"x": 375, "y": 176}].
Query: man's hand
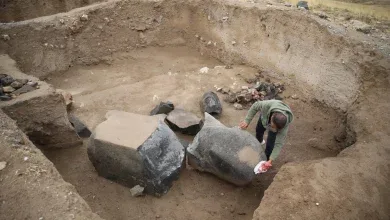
[
  {"x": 267, "y": 165},
  {"x": 243, "y": 125}
]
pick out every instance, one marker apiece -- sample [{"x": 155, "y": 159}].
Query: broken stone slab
[
  {"x": 24, "y": 89},
  {"x": 40, "y": 113},
  {"x": 134, "y": 149},
  {"x": 210, "y": 103},
  {"x": 184, "y": 122},
  {"x": 229, "y": 153},
  {"x": 81, "y": 129},
  {"x": 163, "y": 108}
]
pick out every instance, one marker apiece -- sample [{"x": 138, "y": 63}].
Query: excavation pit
[
  {"x": 132, "y": 55},
  {"x": 131, "y": 83}
]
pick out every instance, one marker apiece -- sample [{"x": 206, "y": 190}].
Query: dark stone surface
[
  {"x": 184, "y": 122},
  {"x": 155, "y": 164},
  {"x": 24, "y": 89},
  {"x": 81, "y": 129},
  {"x": 163, "y": 108},
  {"x": 1, "y": 91},
  {"x": 211, "y": 104},
  {"x": 303, "y": 4},
  {"x": 6, "y": 81},
  {"x": 5, "y": 98},
  {"x": 229, "y": 153}
]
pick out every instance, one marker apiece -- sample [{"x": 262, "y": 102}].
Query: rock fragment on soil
[
  {"x": 8, "y": 89},
  {"x": 137, "y": 191},
  {"x": 211, "y": 104},
  {"x": 24, "y": 89},
  {"x": 303, "y": 4},
  {"x": 163, "y": 108},
  {"x": 238, "y": 106},
  {"x": 81, "y": 129},
  {"x": 229, "y": 153},
  {"x": 204, "y": 70},
  {"x": 183, "y": 121},
  {"x": 16, "y": 84},
  {"x": 84, "y": 17},
  {"x": 361, "y": 26},
  {"x": 136, "y": 149},
  {"x": 3, "y": 164},
  {"x": 6, "y": 37}
]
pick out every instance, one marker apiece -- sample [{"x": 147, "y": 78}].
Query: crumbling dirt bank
[
  {"x": 31, "y": 187},
  {"x": 325, "y": 62}
]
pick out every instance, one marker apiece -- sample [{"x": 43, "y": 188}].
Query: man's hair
[{"x": 279, "y": 119}]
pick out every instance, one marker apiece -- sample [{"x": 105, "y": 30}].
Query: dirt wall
[
  {"x": 31, "y": 187},
  {"x": 353, "y": 185},
  {"x": 270, "y": 38},
  {"x": 19, "y": 10},
  {"x": 289, "y": 43}
]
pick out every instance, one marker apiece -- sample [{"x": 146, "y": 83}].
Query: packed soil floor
[{"x": 138, "y": 80}]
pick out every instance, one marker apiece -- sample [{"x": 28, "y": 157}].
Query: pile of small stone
[
  {"x": 247, "y": 95},
  {"x": 10, "y": 87}
]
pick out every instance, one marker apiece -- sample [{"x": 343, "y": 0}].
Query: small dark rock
[
  {"x": 323, "y": 15},
  {"x": 210, "y": 103},
  {"x": 241, "y": 98},
  {"x": 268, "y": 80},
  {"x": 228, "y": 67},
  {"x": 6, "y": 81},
  {"x": 303, "y": 4},
  {"x": 261, "y": 86},
  {"x": 5, "y": 98},
  {"x": 81, "y": 129},
  {"x": 24, "y": 89},
  {"x": 163, "y": 108},
  {"x": 16, "y": 84},
  {"x": 1, "y": 91}
]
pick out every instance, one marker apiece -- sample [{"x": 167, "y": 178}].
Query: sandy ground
[{"x": 129, "y": 82}]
